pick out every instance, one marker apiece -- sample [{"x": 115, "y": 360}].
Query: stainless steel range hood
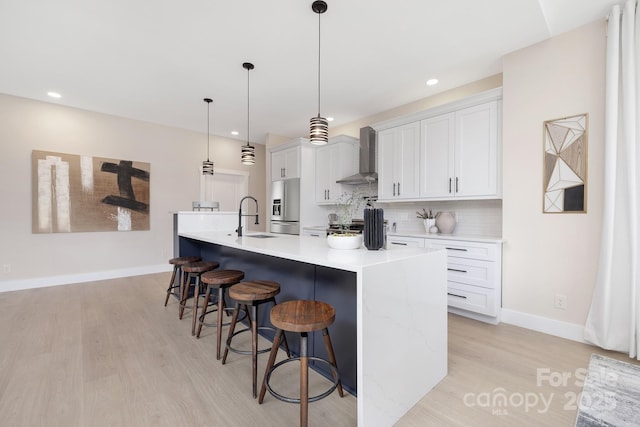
[{"x": 367, "y": 172}]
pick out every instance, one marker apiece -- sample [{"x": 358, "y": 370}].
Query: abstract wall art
[
  {"x": 73, "y": 193},
  {"x": 565, "y": 165}
]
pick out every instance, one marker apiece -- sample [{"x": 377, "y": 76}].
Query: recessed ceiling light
[
  {"x": 432, "y": 82},
  {"x": 54, "y": 95},
  {"x": 235, "y": 133},
  {"x": 329, "y": 119}
]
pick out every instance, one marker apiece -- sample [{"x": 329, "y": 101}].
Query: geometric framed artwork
[
  {"x": 565, "y": 165},
  {"x": 73, "y": 193}
]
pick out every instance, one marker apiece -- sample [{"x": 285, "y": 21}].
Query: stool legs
[
  {"x": 220, "y": 309},
  {"x": 171, "y": 283},
  {"x": 196, "y": 296},
  {"x": 232, "y": 327},
  {"x": 270, "y": 362},
  {"x": 207, "y": 296},
  {"x": 254, "y": 348},
  {"x": 304, "y": 372},
  {"x": 184, "y": 291},
  {"x": 304, "y": 381},
  {"x": 253, "y": 322},
  {"x": 332, "y": 357},
  {"x": 219, "y": 328}
]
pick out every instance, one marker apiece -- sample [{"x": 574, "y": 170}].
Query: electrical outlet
[
  {"x": 6, "y": 268},
  {"x": 560, "y": 302}
]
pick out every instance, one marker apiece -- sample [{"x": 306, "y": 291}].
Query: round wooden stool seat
[
  {"x": 177, "y": 263},
  {"x": 184, "y": 260},
  {"x": 199, "y": 266},
  {"x": 257, "y": 290},
  {"x": 302, "y": 316},
  {"x": 222, "y": 277}
]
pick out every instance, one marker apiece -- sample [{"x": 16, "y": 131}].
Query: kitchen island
[{"x": 390, "y": 333}]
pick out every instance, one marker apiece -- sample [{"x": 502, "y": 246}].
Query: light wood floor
[{"x": 109, "y": 353}]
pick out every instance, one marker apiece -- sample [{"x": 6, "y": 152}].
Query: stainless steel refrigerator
[{"x": 285, "y": 206}]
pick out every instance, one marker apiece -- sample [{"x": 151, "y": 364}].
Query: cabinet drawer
[
  {"x": 471, "y": 272},
  {"x": 314, "y": 232},
  {"x": 400, "y": 241},
  {"x": 462, "y": 249},
  {"x": 472, "y": 298}
]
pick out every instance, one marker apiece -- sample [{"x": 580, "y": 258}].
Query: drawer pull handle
[
  {"x": 314, "y": 235},
  {"x": 456, "y": 249},
  {"x": 398, "y": 243},
  {"x": 457, "y": 296},
  {"x": 455, "y": 269}
]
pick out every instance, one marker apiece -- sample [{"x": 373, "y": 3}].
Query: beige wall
[
  {"x": 175, "y": 156},
  {"x": 549, "y": 254}
]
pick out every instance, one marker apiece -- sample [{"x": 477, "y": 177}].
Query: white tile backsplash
[{"x": 475, "y": 217}]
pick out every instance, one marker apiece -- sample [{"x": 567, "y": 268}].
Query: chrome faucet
[{"x": 239, "y": 230}]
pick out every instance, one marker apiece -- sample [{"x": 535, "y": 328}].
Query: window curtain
[{"x": 614, "y": 317}]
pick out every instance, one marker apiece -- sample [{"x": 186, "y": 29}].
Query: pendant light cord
[
  {"x": 248, "y": 92},
  {"x": 208, "y": 132},
  {"x": 319, "y": 64}
]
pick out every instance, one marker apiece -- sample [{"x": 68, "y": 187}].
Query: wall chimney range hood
[{"x": 367, "y": 172}]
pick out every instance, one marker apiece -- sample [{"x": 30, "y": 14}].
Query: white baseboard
[
  {"x": 570, "y": 331},
  {"x": 42, "y": 282}
]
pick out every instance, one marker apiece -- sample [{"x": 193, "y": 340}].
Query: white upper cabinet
[
  {"x": 476, "y": 151},
  {"x": 450, "y": 151},
  {"x": 399, "y": 162},
  {"x": 459, "y": 153},
  {"x": 437, "y": 156},
  {"x": 337, "y": 160},
  {"x": 285, "y": 164}
]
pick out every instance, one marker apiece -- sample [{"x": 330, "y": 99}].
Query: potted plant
[
  {"x": 428, "y": 219},
  {"x": 348, "y": 205}
]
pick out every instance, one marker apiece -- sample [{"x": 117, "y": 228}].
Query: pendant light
[
  {"x": 207, "y": 165},
  {"x": 319, "y": 126},
  {"x": 248, "y": 156}
]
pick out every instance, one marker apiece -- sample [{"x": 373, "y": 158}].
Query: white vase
[
  {"x": 344, "y": 241},
  {"x": 446, "y": 222},
  {"x": 428, "y": 223}
]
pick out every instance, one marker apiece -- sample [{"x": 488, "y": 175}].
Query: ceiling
[{"x": 155, "y": 60}]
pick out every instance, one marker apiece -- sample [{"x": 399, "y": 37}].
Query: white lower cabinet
[{"x": 474, "y": 277}]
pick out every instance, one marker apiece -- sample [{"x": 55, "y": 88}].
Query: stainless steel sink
[{"x": 261, "y": 236}]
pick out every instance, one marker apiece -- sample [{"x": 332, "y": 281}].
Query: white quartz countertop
[{"x": 307, "y": 249}]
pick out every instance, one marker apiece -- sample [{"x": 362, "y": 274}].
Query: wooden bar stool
[
  {"x": 251, "y": 295},
  {"x": 220, "y": 280},
  {"x": 302, "y": 316},
  {"x": 177, "y": 267},
  {"x": 193, "y": 271}
]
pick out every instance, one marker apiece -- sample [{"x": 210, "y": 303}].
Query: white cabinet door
[
  {"x": 437, "y": 156},
  {"x": 399, "y": 162},
  {"x": 277, "y": 165},
  {"x": 334, "y": 162},
  {"x": 285, "y": 164},
  {"x": 323, "y": 174},
  {"x": 476, "y": 151}
]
